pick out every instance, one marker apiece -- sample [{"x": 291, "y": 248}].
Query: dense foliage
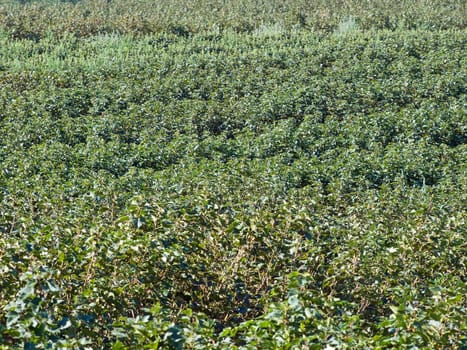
[
  {"x": 86, "y": 18},
  {"x": 184, "y": 177}
]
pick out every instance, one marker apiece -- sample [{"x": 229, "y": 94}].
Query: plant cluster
[{"x": 204, "y": 186}]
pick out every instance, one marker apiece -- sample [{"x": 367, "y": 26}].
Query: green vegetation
[{"x": 233, "y": 174}]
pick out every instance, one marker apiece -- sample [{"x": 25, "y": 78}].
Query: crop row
[{"x": 34, "y": 20}]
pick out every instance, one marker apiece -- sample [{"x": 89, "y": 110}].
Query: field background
[{"x": 233, "y": 174}]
